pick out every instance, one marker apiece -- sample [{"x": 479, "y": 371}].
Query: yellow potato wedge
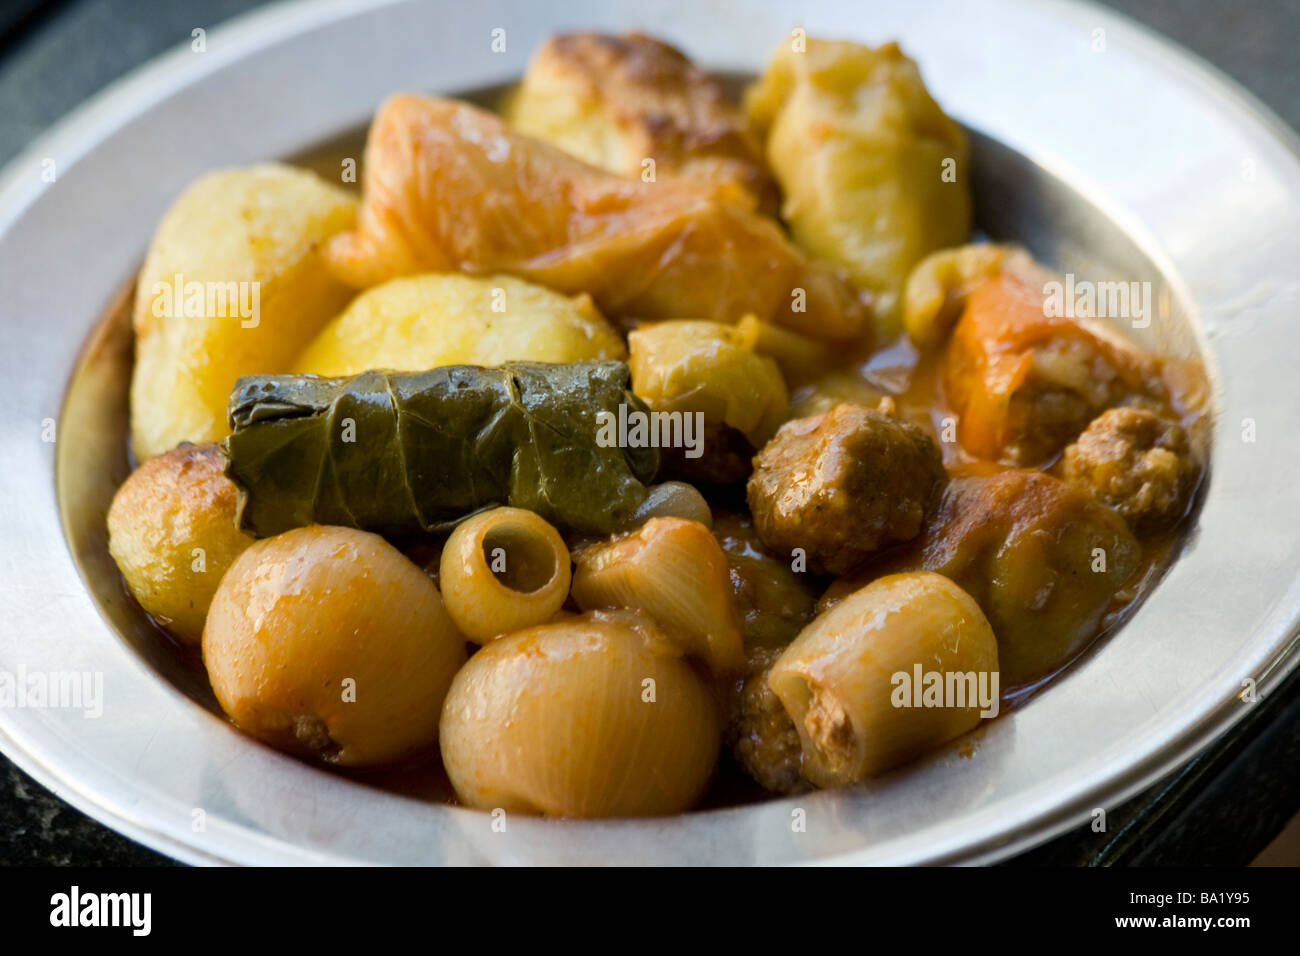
[
  {"x": 233, "y": 284},
  {"x": 425, "y": 321}
]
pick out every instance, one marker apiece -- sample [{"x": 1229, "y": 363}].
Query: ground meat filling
[
  {"x": 843, "y": 485},
  {"x": 766, "y": 742},
  {"x": 830, "y": 730},
  {"x": 1138, "y": 463}
]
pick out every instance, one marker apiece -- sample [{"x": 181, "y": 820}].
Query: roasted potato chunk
[
  {"x": 422, "y": 322},
  {"x": 615, "y": 102},
  {"x": 451, "y": 187},
  {"x": 843, "y": 485},
  {"x": 1024, "y": 383},
  {"x": 1137, "y": 462},
  {"x": 243, "y": 245},
  {"x": 171, "y": 530},
  {"x": 874, "y": 173}
]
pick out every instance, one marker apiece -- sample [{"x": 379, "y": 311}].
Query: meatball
[
  {"x": 1137, "y": 462},
  {"x": 764, "y": 738},
  {"x": 843, "y": 485}
]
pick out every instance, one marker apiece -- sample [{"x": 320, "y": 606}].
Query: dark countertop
[{"x": 1222, "y": 808}]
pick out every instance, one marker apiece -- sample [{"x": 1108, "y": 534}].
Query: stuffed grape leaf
[{"x": 401, "y": 453}]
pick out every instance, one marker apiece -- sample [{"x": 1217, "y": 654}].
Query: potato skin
[
  {"x": 299, "y": 614},
  {"x": 426, "y": 321},
  {"x": 262, "y": 224},
  {"x": 615, "y": 102},
  {"x": 170, "y": 506}
]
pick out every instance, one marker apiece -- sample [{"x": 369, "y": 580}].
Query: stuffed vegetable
[{"x": 405, "y": 453}]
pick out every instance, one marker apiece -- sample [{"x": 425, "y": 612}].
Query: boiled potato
[
  {"x": 171, "y": 530},
  {"x": 590, "y": 716},
  {"x": 329, "y": 643},
  {"x": 855, "y": 681},
  {"x": 874, "y": 173},
  {"x": 424, "y": 321},
  {"x": 233, "y": 284}
]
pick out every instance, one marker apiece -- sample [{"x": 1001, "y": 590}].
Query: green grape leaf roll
[{"x": 402, "y": 453}]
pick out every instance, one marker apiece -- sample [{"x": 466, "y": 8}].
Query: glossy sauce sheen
[{"x": 913, "y": 382}]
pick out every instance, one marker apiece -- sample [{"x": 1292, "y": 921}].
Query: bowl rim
[{"x": 39, "y": 744}]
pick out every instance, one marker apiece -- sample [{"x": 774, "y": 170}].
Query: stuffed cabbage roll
[
  {"x": 451, "y": 187},
  {"x": 405, "y": 453},
  {"x": 874, "y": 173},
  {"x": 616, "y": 102}
]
